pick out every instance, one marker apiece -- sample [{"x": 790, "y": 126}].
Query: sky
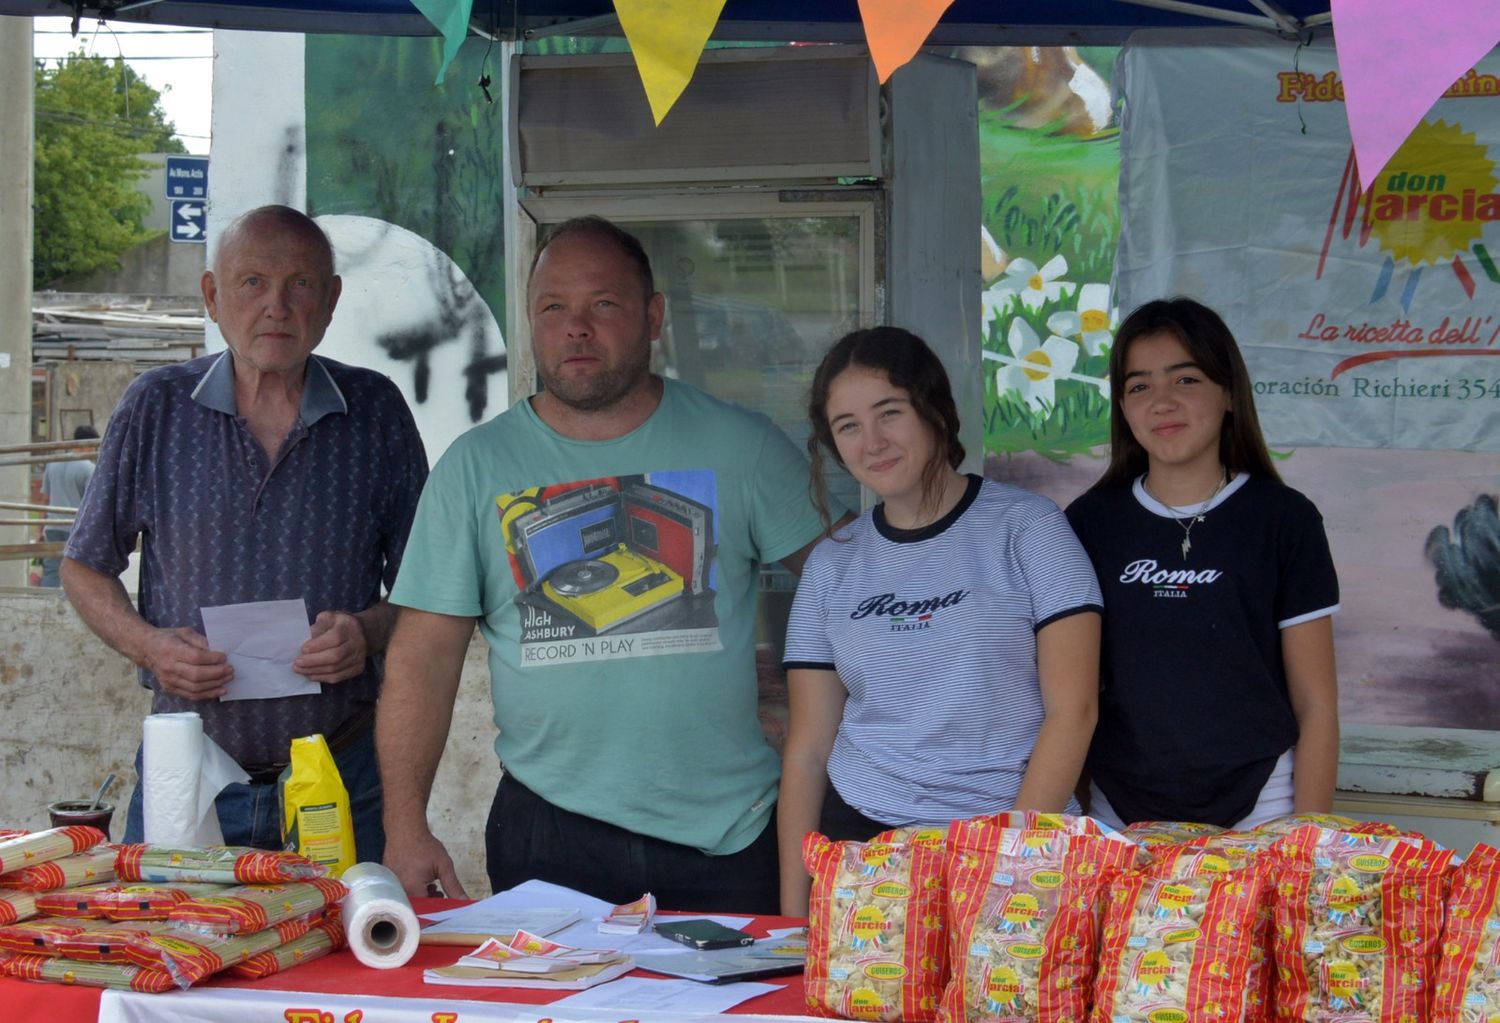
[{"x": 178, "y": 62}]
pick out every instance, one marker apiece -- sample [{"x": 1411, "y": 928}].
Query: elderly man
[
  {"x": 262, "y": 473},
  {"x": 607, "y": 534}
]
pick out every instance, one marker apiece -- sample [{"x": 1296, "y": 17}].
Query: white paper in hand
[{"x": 261, "y": 640}]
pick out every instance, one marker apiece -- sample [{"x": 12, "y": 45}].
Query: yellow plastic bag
[{"x": 315, "y": 817}]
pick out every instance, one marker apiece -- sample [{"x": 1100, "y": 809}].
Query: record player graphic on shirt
[{"x": 610, "y": 555}]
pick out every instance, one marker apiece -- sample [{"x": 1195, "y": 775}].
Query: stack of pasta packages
[
  {"x": 76, "y": 910},
  {"x": 1022, "y": 917}
]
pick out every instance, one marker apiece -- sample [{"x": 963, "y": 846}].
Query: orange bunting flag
[
  {"x": 896, "y": 29},
  {"x": 667, "y": 38}
]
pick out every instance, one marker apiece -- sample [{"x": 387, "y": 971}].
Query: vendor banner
[{"x": 1368, "y": 318}]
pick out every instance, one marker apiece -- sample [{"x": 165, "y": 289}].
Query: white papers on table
[
  {"x": 721, "y": 964},
  {"x": 641, "y": 996},
  {"x": 261, "y": 639},
  {"x": 495, "y": 921}
]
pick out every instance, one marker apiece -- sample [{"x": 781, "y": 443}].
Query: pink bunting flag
[
  {"x": 1397, "y": 58},
  {"x": 896, "y": 29}
]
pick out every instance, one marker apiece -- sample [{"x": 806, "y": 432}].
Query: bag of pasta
[
  {"x": 1149, "y": 834},
  {"x": 1023, "y": 920},
  {"x": 1467, "y": 989},
  {"x": 1358, "y": 920},
  {"x": 875, "y": 926},
  {"x": 1178, "y": 940}
]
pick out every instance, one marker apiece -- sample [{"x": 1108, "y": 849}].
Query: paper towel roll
[
  {"x": 182, "y": 771},
  {"x": 378, "y": 917}
]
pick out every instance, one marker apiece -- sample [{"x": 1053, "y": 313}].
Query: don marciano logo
[
  {"x": 907, "y": 615},
  {"x": 1167, "y": 582}
]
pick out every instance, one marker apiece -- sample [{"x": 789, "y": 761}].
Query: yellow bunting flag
[
  {"x": 667, "y": 37},
  {"x": 896, "y": 29}
]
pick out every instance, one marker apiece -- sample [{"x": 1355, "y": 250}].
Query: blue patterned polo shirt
[{"x": 326, "y": 520}]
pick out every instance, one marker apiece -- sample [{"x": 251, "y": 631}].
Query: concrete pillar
[{"x": 16, "y": 121}]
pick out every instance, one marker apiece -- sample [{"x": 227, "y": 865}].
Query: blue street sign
[
  {"x": 189, "y": 221},
  {"x": 187, "y": 177}
]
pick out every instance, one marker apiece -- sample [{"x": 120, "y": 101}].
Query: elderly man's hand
[
  {"x": 185, "y": 666},
  {"x": 337, "y": 650}
]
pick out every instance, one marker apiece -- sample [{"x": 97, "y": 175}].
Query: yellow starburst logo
[{"x": 1432, "y": 200}]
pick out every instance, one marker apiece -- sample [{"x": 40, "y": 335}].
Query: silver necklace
[{"x": 1189, "y": 521}]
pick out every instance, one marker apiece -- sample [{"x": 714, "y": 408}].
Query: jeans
[
  {"x": 251, "y": 814},
  {"x": 527, "y": 837},
  {"x": 51, "y": 566}
]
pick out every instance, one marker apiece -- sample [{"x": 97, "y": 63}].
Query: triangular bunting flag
[
  {"x": 667, "y": 38},
  {"x": 1397, "y": 59},
  {"x": 896, "y": 29},
  {"x": 451, "y": 17}
]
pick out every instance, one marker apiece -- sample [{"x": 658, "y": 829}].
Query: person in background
[
  {"x": 63, "y": 483},
  {"x": 262, "y": 473},
  {"x": 943, "y": 651},
  {"x": 632, "y": 757},
  {"x": 1219, "y": 701}
]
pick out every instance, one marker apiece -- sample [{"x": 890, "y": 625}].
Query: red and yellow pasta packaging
[
  {"x": 1153, "y": 833},
  {"x": 43, "y": 846},
  {"x": 40, "y": 937},
  {"x": 189, "y": 957},
  {"x": 16, "y": 906},
  {"x": 68, "y": 971},
  {"x": 254, "y": 907},
  {"x": 1281, "y": 826},
  {"x": 77, "y": 903},
  {"x": 1358, "y": 920},
  {"x": 149, "y": 901},
  {"x": 326, "y": 937},
  {"x": 90, "y": 867},
  {"x": 1023, "y": 920},
  {"x": 1467, "y": 989},
  {"x": 107, "y": 943},
  {"x": 217, "y": 864},
  {"x": 875, "y": 926},
  {"x": 1178, "y": 940}
]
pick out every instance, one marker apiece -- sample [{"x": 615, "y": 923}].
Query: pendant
[{"x": 1187, "y": 545}]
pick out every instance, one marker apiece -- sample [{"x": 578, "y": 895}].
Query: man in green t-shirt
[{"x": 606, "y": 535}]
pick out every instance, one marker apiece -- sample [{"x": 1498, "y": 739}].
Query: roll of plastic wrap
[
  {"x": 182, "y": 771},
  {"x": 378, "y": 917}
]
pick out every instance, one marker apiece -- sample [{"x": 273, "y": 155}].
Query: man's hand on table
[
  {"x": 421, "y": 863},
  {"x": 185, "y": 666},
  {"x": 336, "y": 651}
]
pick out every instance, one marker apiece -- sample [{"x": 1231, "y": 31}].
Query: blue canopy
[{"x": 1016, "y": 22}]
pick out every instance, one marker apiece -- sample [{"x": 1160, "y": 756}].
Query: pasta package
[
  {"x": 89, "y": 867},
  {"x": 224, "y": 864},
  {"x": 1358, "y": 921},
  {"x": 149, "y": 901},
  {"x": 1037, "y": 820},
  {"x": 77, "y": 903},
  {"x": 16, "y": 906},
  {"x": 1153, "y": 833},
  {"x": 1023, "y": 908},
  {"x": 39, "y": 937},
  {"x": 68, "y": 971},
  {"x": 1178, "y": 941},
  {"x": 254, "y": 907},
  {"x": 106, "y": 944},
  {"x": 324, "y": 938},
  {"x": 43, "y": 846},
  {"x": 1282, "y": 826},
  {"x": 1467, "y": 988},
  {"x": 875, "y": 946},
  {"x": 188, "y": 957}
]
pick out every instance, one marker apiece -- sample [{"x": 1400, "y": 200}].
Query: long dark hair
[
  {"x": 1212, "y": 347},
  {"x": 907, "y": 363}
]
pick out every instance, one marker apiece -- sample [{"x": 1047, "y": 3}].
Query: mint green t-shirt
[{"x": 615, "y": 582}]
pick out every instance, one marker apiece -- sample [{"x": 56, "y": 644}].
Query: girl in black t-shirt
[{"x": 1219, "y": 700}]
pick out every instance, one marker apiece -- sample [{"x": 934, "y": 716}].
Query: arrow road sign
[{"x": 189, "y": 221}]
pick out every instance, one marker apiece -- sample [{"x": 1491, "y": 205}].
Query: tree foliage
[{"x": 94, "y": 119}]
